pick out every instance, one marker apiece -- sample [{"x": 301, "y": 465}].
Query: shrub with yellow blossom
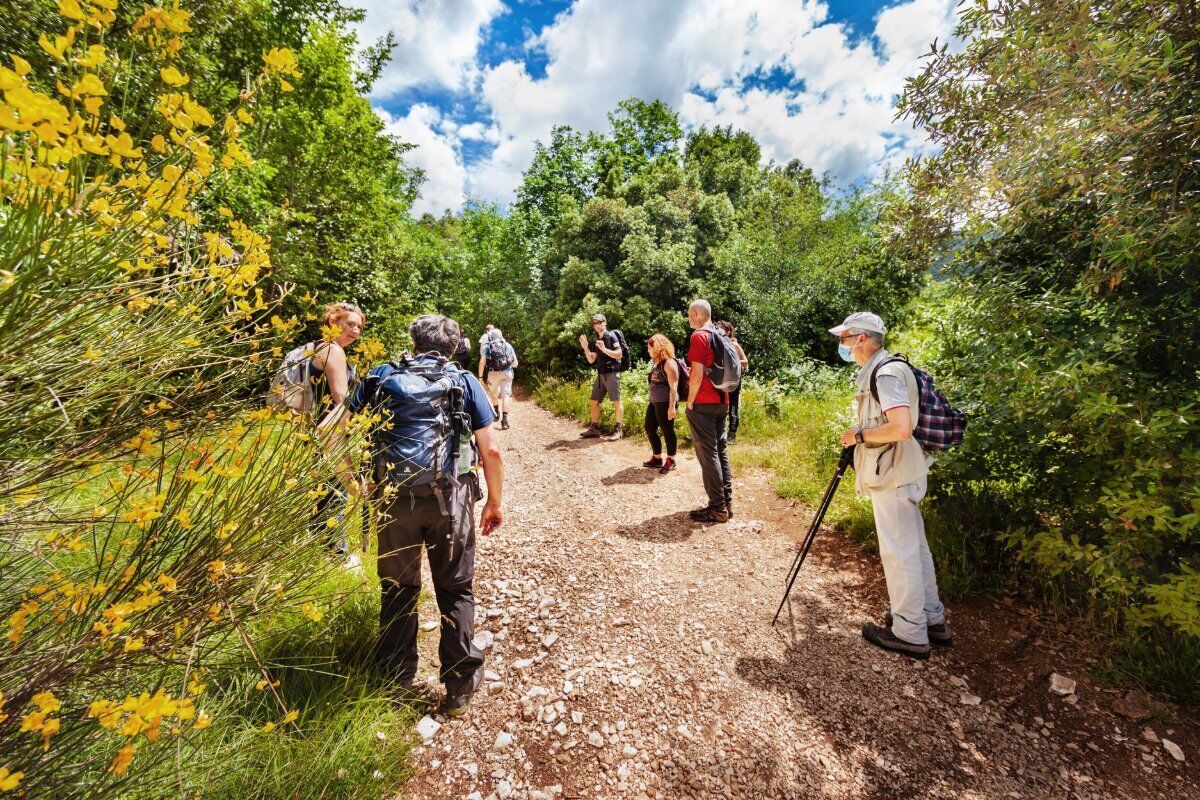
[{"x": 149, "y": 507}]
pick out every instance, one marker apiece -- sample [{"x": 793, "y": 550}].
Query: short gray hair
[
  {"x": 435, "y": 333},
  {"x": 703, "y": 305},
  {"x": 496, "y": 335},
  {"x": 874, "y": 336}
]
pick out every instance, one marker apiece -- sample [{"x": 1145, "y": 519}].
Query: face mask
[{"x": 846, "y": 352}]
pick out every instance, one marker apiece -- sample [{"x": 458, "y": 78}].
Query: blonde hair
[
  {"x": 334, "y": 313},
  {"x": 660, "y": 345}
]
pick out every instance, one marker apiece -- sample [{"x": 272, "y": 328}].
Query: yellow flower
[
  {"x": 159, "y": 143},
  {"x": 167, "y": 583},
  {"x": 95, "y": 57},
  {"x": 281, "y": 59},
  {"x": 70, "y": 9},
  {"x": 123, "y": 760},
  {"x": 291, "y": 716},
  {"x": 202, "y": 722},
  {"x": 173, "y": 77},
  {"x": 59, "y": 46},
  {"x": 47, "y": 702},
  {"x": 48, "y": 730},
  {"x": 133, "y": 645},
  {"x": 270, "y": 726},
  {"x": 143, "y": 442},
  {"x": 311, "y": 611},
  {"x": 9, "y": 780},
  {"x": 89, "y": 84},
  {"x": 184, "y": 519}
]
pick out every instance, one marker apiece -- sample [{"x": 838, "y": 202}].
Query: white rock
[
  {"x": 629, "y": 751},
  {"x": 430, "y": 625},
  {"x": 1175, "y": 750},
  {"x": 568, "y": 687},
  {"x": 472, "y": 769},
  {"x": 523, "y": 663},
  {"x": 428, "y": 727},
  {"x": 549, "y": 639},
  {"x": 503, "y": 790},
  {"x": 474, "y": 796},
  {"x": 969, "y": 699},
  {"x": 561, "y": 729},
  {"x": 503, "y": 741},
  {"x": 489, "y": 675},
  {"x": 492, "y": 613},
  {"x": 595, "y": 739},
  {"x": 706, "y": 647},
  {"x": 381, "y": 736},
  {"x": 483, "y": 640},
  {"x": 577, "y": 717},
  {"x": 1061, "y": 684}
]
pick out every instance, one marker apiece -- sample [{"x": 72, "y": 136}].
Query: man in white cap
[{"x": 891, "y": 467}]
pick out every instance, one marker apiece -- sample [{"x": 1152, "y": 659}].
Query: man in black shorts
[{"x": 605, "y": 354}]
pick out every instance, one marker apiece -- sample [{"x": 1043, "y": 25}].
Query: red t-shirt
[{"x": 699, "y": 351}]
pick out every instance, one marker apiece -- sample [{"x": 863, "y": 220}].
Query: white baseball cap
[{"x": 863, "y": 321}]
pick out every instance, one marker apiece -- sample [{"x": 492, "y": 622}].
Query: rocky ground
[{"x": 631, "y": 655}]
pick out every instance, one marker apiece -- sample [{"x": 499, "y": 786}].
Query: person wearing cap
[
  {"x": 605, "y": 355},
  {"x": 891, "y": 467}
]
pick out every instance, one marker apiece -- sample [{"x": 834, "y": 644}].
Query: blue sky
[{"x": 474, "y": 83}]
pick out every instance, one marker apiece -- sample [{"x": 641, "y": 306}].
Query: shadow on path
[
  {"x": 573, "y": 444},
  {"x": 677, "y": 527},
  {"x": 631, "y": 476}
]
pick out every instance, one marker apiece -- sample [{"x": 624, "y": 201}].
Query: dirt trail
[{"x": 631, "y": 655}]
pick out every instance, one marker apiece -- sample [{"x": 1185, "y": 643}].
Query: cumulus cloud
[
  {"x": 703, "y": 58},
  {"x": 437, "y": 41},
  {"x": 436, "y": 153},
  {"x": 706, "y": 58}
]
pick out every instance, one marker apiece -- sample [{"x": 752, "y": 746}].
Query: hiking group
[{"x": 436, "y": 431}]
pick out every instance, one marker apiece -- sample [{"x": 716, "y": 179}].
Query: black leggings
[
  {"x": 656, "y": 417},
  {"x": 735, "y": 399}
]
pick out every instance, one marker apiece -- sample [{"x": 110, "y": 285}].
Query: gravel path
[{"x": 630, "y": 655}]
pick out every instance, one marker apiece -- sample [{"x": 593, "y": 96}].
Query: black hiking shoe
[
  {"x": 939, "y": 634},
  {"x": 592, "y": 432},
  {"x": 504, "y": 422},
  {"x": 615, "y": 435},
  {"x": 710, "y": 515},
  {"x": 654, "y": 462},
  {"x": 458, "y": 701},
  {"x": 884, "y": 638},
  {"x": 667, "y": 466}
]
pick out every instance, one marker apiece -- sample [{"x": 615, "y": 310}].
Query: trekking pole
[{"x": 843, "y": 462}]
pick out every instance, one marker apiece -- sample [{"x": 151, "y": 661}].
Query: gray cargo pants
[
  {"x": 413, "y": 520},
  {"x": 707, "y": 421}
]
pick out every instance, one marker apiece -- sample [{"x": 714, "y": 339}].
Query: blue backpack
[{"x": 424, "y": 436}]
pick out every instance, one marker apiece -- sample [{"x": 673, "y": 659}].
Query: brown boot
[{"x": 592, "y": 432}]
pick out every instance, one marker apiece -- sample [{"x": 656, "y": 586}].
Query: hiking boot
[
  {"x": 459, "y": 700},
  {"x": 667, "y": 466},
  {"x": 592, "y": 432},
  {"x": 654, "y": 462},
  {"x": 615, "y": 435},
  {"x": 939, "y": 634},
  {"x": 711, "y": 515},
  {"x": 504, "y": 422},
  {"x": 884, "y": 638}
]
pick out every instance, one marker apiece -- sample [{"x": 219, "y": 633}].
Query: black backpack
[
  {"x": 624, "y": 365},
  {"x": 498, "y": 358}
]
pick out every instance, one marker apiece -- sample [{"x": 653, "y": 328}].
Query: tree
[{"x": 1066, "y": 196}]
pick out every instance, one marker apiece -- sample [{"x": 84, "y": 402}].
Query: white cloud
[
  {"x": 436, "y": 40},
  {"x": 697, "y": 55},
  {"x": 436, "y": 153},
  {"x": 703, "y": 57}
]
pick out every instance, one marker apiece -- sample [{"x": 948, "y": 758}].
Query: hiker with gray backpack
[
  {"x": 435, "y": 430},
  {"x": 499, "y": 358},
  {"x": 901, "y": 418},
  {"x": 609, "y": 354},
  {"x": 715, "y": 371},
  {"x": 314, "y": 381}
]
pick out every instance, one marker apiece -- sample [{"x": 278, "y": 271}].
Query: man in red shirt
[{"x": 707, "y": 409}]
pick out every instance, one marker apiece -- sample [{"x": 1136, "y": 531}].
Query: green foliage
[{"x": 1065, "y": 191}]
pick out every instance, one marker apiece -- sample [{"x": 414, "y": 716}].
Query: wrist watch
[{"x": 858, "y": 436}]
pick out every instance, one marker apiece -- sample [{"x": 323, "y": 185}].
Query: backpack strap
[{"x": 898, "y": 357}]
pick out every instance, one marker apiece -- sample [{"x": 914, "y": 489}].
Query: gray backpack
[
  {"x": 291, "y": 387},
  {"x": 726, "y": 371}
]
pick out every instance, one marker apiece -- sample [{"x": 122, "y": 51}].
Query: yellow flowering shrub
[{"x": 150, "y": 509}]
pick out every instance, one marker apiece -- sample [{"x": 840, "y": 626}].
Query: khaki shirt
[{"x": 886, "y": 466}]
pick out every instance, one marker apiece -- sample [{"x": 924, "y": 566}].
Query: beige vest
[{"x": 886, "y": 466}]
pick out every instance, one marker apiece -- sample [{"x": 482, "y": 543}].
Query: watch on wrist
[{"x": 858, "y": 436}]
